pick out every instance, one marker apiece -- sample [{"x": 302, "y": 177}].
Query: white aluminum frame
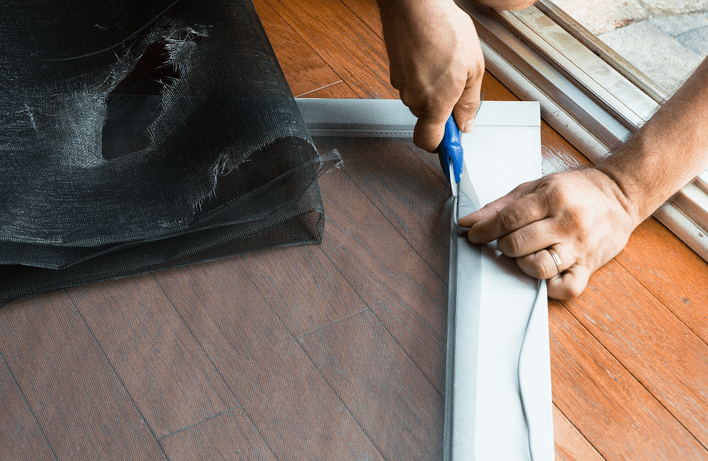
[{"x": 498, "y": 402}]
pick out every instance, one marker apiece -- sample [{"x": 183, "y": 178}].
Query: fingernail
[
  {"x": 472, "y": 237},
  {"x": 468, "y": 126}
]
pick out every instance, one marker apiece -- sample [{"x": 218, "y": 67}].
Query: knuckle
[
  {"x": 512, "y": 245},
  {"x": 467, "y": 107},
  {"x": 509, "y": 219},
  {"x": 547, "y": 269}
]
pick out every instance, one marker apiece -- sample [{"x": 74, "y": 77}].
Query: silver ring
[{"x": 556, "y": 259}]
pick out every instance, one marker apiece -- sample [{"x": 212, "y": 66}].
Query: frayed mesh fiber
[{"x": 136, "y": 136}]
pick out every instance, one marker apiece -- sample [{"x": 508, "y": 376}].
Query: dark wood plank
[
  {"x": 163, "y": 368},
  {"x": 295, "y": 410},
  {"x": 21, "y": 438},
  {"x": 302, "y": 286},
  {"x": 305, "y": 70},
  {"x": 650, "y": 341},
  {"x": 79, "y": 402},
  {"x": 673, "y": 273},
  {"x": 348, "y": 46},
  {"x": 613, "y": 410},
  {"x": 409, "y": 192},
  {"x": 228, "y": 436},
  {"x": 570, "y": 443},
  {"x": 387, "y": 273},
  {"x": 387, "y": 394}
]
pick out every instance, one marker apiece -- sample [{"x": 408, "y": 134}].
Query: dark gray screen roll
[{"x": 136, "y": 136}]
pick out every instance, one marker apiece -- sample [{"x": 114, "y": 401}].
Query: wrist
[{"x": 620, "y": 189}]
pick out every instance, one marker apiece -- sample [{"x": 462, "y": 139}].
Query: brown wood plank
[
  {"x": 20, "y": 436},
  {"x": 368, "y": 12},
  {"x": 387, "y": 394},
  {"x": 676, "y": 275},
  {"x": 79, "y": 402},
  {"x": 387, "y": 273},
  {"x": 570, "y": 443},
  {"x": 295, "y": 410},
  {"x": 302, "y": 286},
  {"x": 346, "y": 44},
  {"x": 409, "y": 192},
  {"x": 228, "y": 436},
  {"x": 614, "y": 412},
  {"x": 163, "y": 368},
  {"x": 655, "y": 346},
  {"x": 305, "y": 70}
]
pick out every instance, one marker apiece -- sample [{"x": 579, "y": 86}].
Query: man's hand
[
  {"x": 436, "y": 64},
  {"x": 582, "y": 215}
]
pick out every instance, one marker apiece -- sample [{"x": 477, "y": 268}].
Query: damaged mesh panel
[{"x": 136, "y": 136}]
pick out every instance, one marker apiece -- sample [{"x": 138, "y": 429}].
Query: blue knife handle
[{"x": 450, "y": 149}]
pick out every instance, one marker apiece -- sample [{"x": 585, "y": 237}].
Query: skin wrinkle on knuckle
[
  {"x": 547, "y": 269},
  {"x": 509, "y": 218},
  {"x": 512, "y": 245}
]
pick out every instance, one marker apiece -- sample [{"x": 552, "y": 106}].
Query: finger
[
  {"x": 569, "y": 284},
  {"x": 512, "y": 217},
  {"x": 466, "y": 107},
  {"x": 428, "y": 132},
  {"x": 491, "y": 209},
  {"x": 541, "y": 264},
  {"x": 529, "y": 239}
]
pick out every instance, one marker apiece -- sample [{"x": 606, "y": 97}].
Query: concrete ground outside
[{"x": 665, "y": 39}]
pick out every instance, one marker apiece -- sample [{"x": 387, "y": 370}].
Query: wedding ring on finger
[{"x": 556, "y": 259}]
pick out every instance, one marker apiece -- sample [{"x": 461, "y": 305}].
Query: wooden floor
[{"x": 336, "y": 352}]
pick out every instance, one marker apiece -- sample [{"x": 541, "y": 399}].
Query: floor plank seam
[
  {"x": 362, "y": 20},
  {"x": 649, "y": 290},
  {"x": 199, "y": 422},
  {"x": 304, "y": 40},
  {"x": 332, "y": 323},
  {"x": 275, "y": 312},
  {"x": 120, "y": 380},
  {"x": 439, "y": 391},
  {"x": 265, "y": 299},
  {"x": 394, "y": 228},
  {"x": 633, "y": 375},
  {"x": 321, "y": 88},
  {"x": 341, "y": 401},
  {"x": 297, "y": 341},
  {"x": 579, "y": 431},
  {"x": 218, "y": 372},
  {"x": 24, "y": 398},
  {"x": 360, "y": 90}
]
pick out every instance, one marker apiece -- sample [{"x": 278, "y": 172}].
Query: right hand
[{"x": 436, "y": 64}]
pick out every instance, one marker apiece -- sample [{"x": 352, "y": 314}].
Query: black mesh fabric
[{"x": 136, "y": 136}]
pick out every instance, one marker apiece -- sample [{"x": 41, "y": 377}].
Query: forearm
[
  {"x": 667, "y": 153},
  {"x": 505, "y": 5},
  {"x": 502, "y": 5}
]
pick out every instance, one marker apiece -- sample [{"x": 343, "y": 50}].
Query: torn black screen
[{"x": 137, "y": 136}]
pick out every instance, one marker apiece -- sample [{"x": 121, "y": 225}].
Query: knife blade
[{"x": 452, "y": 161}]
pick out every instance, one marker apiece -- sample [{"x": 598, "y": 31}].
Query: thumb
[
  {"x": 467, "y": 105},
  {"x": 428, "y": 132}
]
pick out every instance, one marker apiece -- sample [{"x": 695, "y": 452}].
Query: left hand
[{"x": 581, "y": 215}]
